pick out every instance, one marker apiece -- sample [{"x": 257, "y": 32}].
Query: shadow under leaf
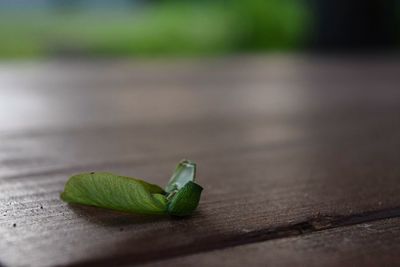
[{"x": 107, "y": 217}]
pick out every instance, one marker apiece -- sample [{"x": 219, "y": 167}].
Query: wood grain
[
  {"x": 372, "y": 244},
  {"x": 284, "y": 146}
]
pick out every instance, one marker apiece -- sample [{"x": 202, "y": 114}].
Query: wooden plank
[
  {"x": 274, "y": 158},
  {"x": 63, "y": 95},
  {"x": 258, "y": 103},
  {"x": 75, "y": 150},
  {"x": 369, "y": 244}
]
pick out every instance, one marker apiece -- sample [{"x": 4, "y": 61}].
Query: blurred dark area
[
  {"x": 355, "y": 25},
  {"x": 153, "y": 28}
]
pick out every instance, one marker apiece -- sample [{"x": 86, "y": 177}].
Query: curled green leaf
[
  {"x": 185, "y": 201},
  {"x": 115, "y": 192}
]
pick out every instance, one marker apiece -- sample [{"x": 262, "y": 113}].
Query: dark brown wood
[
  {"x": 285, "y": 146},
  {"x": 371, "y": 244}
]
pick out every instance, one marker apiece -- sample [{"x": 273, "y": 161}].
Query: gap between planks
[{"x": 314, "y": 224}]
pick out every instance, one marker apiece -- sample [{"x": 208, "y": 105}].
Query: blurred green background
[
  {"x": 153, "y": 28},
  {"x": 35, "y": 29}
]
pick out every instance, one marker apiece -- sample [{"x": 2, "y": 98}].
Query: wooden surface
[
  {"x": 286, "y": 146},
  {"x": 369, "y": 244},
  {"x": 372, "y": 244}
]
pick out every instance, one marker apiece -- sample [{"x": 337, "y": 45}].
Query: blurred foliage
[
  {"x": 176, "y": 28},
  {"x": 275, "y": 24}
]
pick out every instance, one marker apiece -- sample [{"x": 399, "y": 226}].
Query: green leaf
[
  {"x": 185, "y": 172},
  {"x": 107, "y": 190},
  {"x": 186, "y": 200}
]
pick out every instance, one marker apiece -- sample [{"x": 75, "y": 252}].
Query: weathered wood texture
[
  {"x": 284, "y": 146},
  {"x": 372, "y": 244}
]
